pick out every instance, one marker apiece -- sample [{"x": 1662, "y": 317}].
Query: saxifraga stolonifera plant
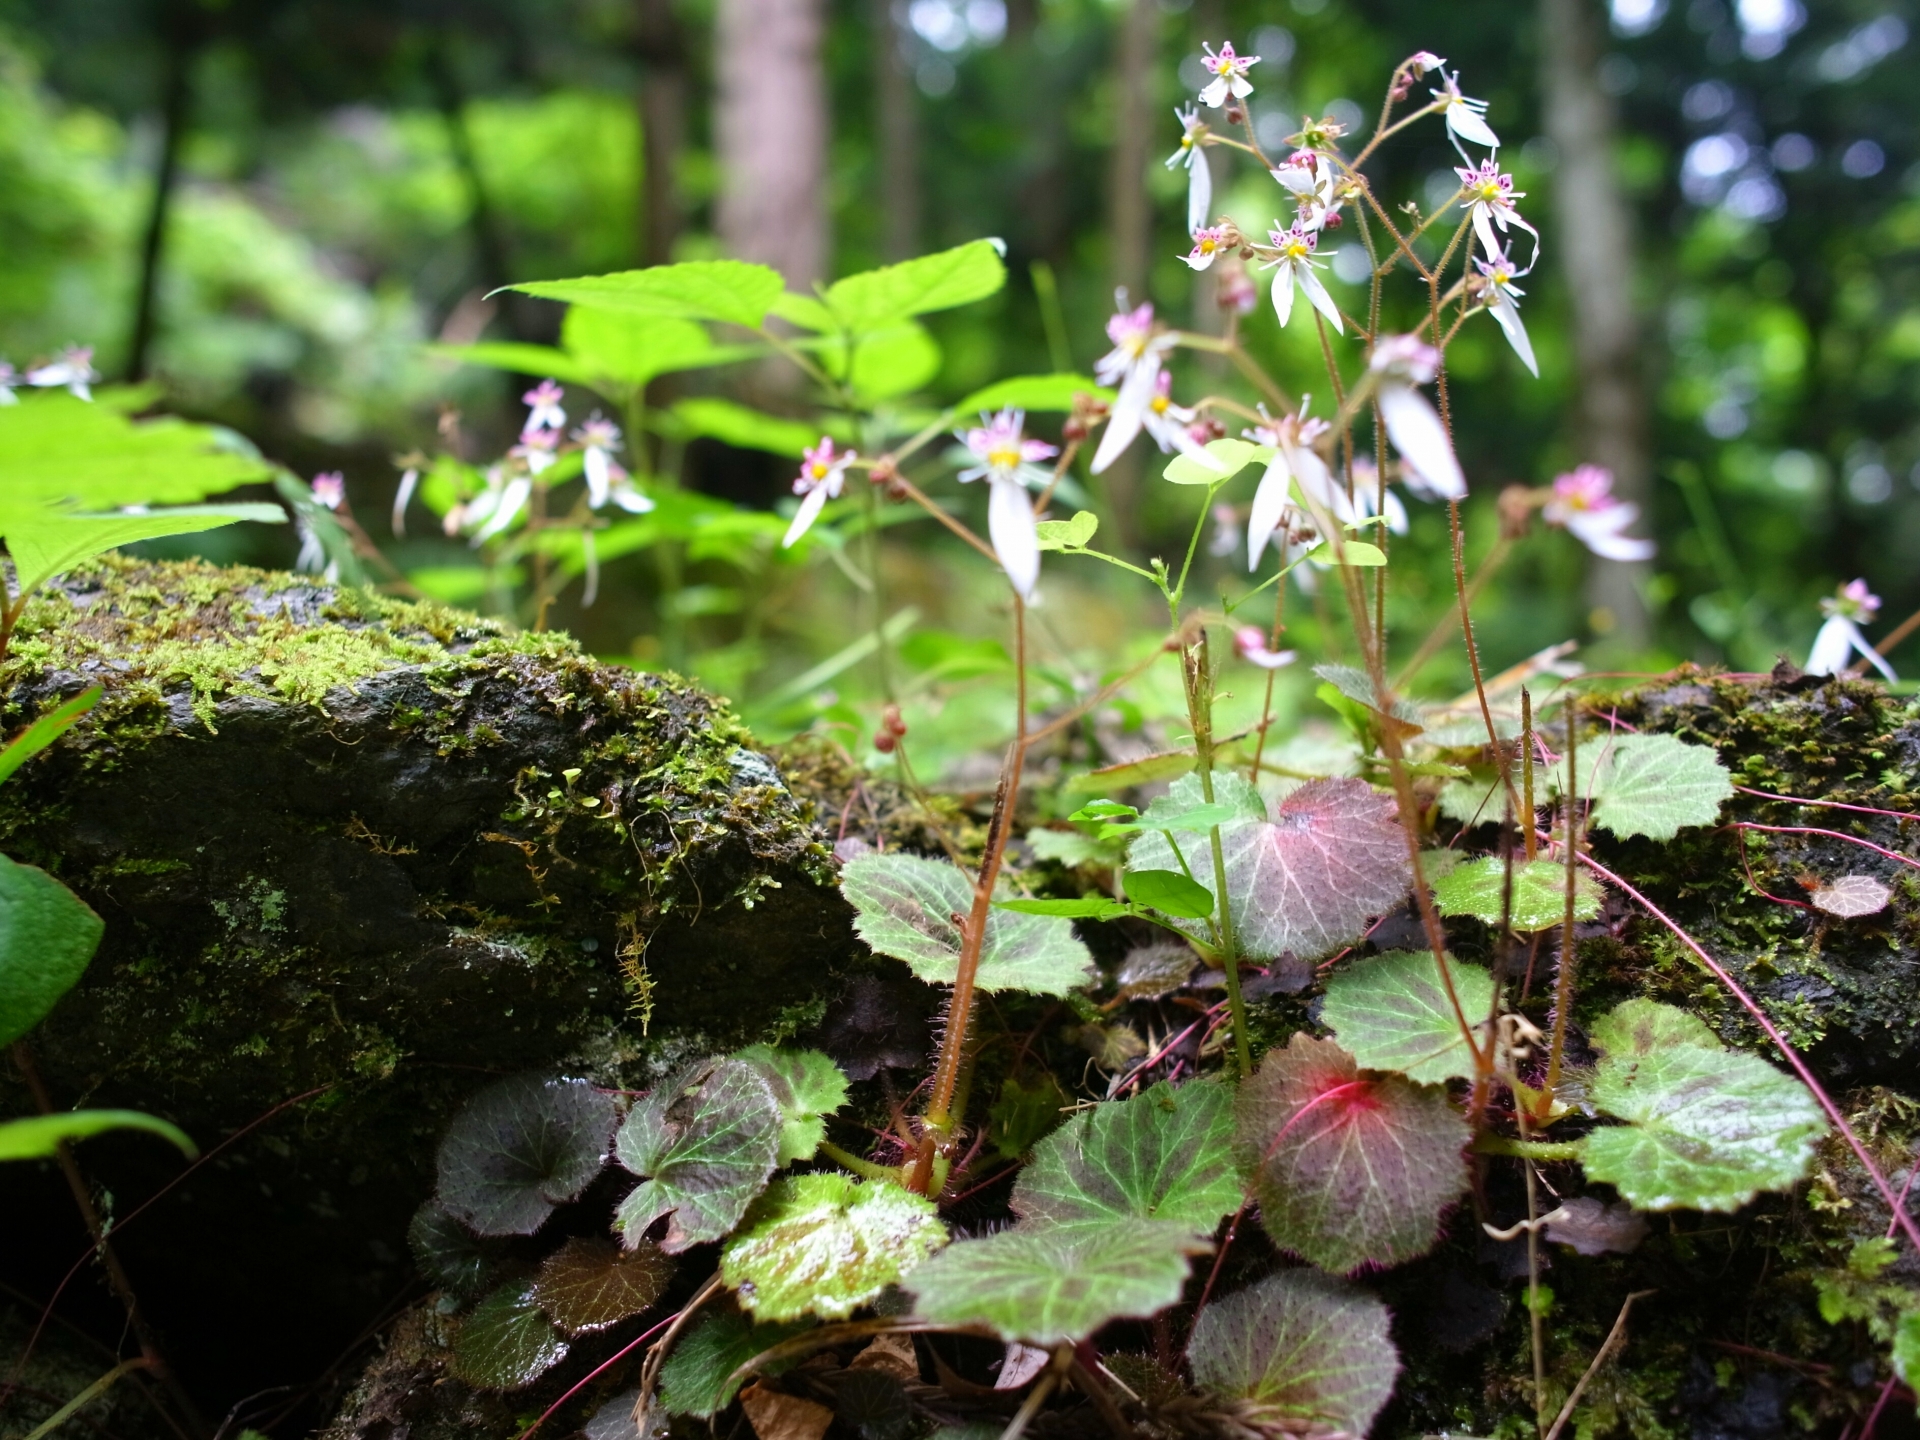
[{"x": 1351, "y": 1145}]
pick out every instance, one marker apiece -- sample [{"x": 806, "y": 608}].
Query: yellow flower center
[
  {"x": 1003, "y": 457},
  {"x": 1207, "y": 245},
  {"x": 818, "y": 471},
  {"x": 1159, "y": 404}
]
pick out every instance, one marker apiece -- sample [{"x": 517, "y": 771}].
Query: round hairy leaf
[
  {"x": 1154, "y": 969},
  {"x": 1047, "y": 1284},
  {"x": 1348, "y": 1170},
  {"x": 808, "y": 1087},
  {"x": 1707, "y": 1129},
  {"x": 1650, "y": 785},
  {"x": 1308, "y": 880},
  {"x": 448, "y": 1253},
  {"x": 873, "y": 1404},
  {"x": 695, "y": 1378},
  {"x": 614, "y": 1420},
  {"x": 1851, "y": 896},
  {"x": 520, "y": 1147},
  {"x": 904, "y": 907},
  {"x": 1539, "y": 898},
  {"x": 1166, "y": 1154},
  {"x": 47, "y": 936},
  {"x": 506, "y": 1343},
  {"x": 706, "y": 1140},
  {"x": 1302, "y": 1345},
  {"x": 826, "y": 1244},
  {"x": 590, "y": 1283},
  {"x": 1392, "y": 1013}
]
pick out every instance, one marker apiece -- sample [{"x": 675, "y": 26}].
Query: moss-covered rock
[{"x": 371, "y": 853}]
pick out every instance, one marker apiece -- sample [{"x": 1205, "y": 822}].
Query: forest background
[{"x": 276, "y": 210}]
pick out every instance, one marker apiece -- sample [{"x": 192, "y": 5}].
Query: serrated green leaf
[
  {"x": 1539, "y": 897},
  {"x": 39, "y": 1136},
  {"x": 1309, "y": 879},
  {"x": 806, "y": 311},
  {"x": 1073, "y": 849},
  {"x": 43, "y": 548},
  {"x": 808, "y": 1087},
  {"x": 520, "y": 1147},
  {"x": 733, "y": 291},
  {"x": 1348, "y": 1170},
  {"x": 47, "y": 729},
  {"x": 1166, "y": 1154},
  {"x": 1229, "y": 458},
  {"x": 619, "y": 349},
  {"x": 1303, "y": 1347},
  {"x": 1024, "y": 1114},
  {"x": 827, "y": 1244},
  {"x": 1357, "y": 686},
  {"x": 1041, "y": 393},
  {"x": 1068, "y": 534},
  {"x": 1087, "y": 907},
  {"x": 1349, "y": 552},
  {"x": 940, "y": 281},
  {"x": 895, "y": 360},
  {"x": 1707, "y": 1129},
  {"x": 1392, "y": 1013},
  {"x": 695, "y": 1379},
  {"x": 47, "y": 937},
  {"x": 1148, "y": 769},
  {"x": 904, "y": 907},
  {"x": 506, "y": 1343},
  {"x": 1906, "y": 1346},
  {"x": 589, "y": 1283},
  {"x": 1046, "y": 1285},
  {"x": 448, "y": 1253},
  {"x": 1169, "y": 892},
  {"x": 706, "y": 1141},
  {"x": 1478, "y": 799},
  {"x": 1650, "y": 785}
]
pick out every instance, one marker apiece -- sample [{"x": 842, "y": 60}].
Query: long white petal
[
  {"x": 1293, "y": 178},
  {"x": 1470, "y": 126},
  {"x": 1831, "y": 646},
  {"x": 1010, "y": 524},
  {"x": 1396, "y": 514},
  {"x": 1283, "y": 291},
  {"x": 593, "y": 462},
  {"x": 1416, "y": 432},
  {"x": 1123, "y": 423},
  {"x": 1317, "y": 487},
  {"x": 402, "y": 498},
  {"x": 511, "y": 501},
  {"x": 1508, "y": 314},
  {"x": 804, "y": 517},
  {"x": 1214, "y": 94},
  {"x": 1868, "y": 653},
  {"x": 1269, "y": 504},
  {"x": 1199, "y": 190},
  {"x": 592, "y": 557},
  {"x": 1322, "y": 301}
]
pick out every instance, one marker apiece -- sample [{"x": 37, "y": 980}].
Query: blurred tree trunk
[
  {"x": 1593, "y": 232},
  {"x": 183, "y": 44},
  {"x": 897, "y": 126},
  {"x": 660, "y": 44},
  {"x": 770, "y": 133}
]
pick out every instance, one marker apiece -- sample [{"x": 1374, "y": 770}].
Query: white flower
[
  {"x": 1840, "y": 638},
  {"x": 599, "y": 438},
  {"x": 1402, "y": 362},
  {"x": 9, "y": 378},
  {"x": 1367, "y": 493},
  {"x": 1585, "y": 506},
  {"x": 1008, "y": 463},
  {"x": 1168, "y": 424},
  {"x": 1134, "y": 366},
  {"x": 545, "y": 413},
  {"x": 1199, "y": 174},
  {"x": 1229, "y": 73},
  {"x": 1499, "y": 294},
  {"x": 73, "y": 368},
  {"x": 537, "y": 450},
  {"x": 1466, "y": 118},
  {"x": 1293, "y": 264},
  {"x": 1294, "y": 462},
  {"x": 403, "y": 497},
  {"x": 329, "y": 489},
  {"x": 1209, "y": 243},
  {"x": 822, "y": 475},
  {"x": 1313, "y": 185},
  {"x": 1251, "y": 642},
  {"x": 1421, "y": 61},
  {"x": 1489, "y": 201}
]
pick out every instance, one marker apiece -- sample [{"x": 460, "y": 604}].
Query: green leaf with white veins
[
  {"x": 731, "y": 290},
  {"x": 47, "y": 936},
  {"x": 1392, "y": 1013},
  {"x": 914, "y": 287},
  {"x": 1707, "y": 1129},
  {"x": 1049, "y": 1284},
  {"x": 808, "y": 1087},
  {"x": 1166, "y": 1154},
  {"x": 827, "y": 1244},
  {"x": 706, "y": 1140},
  {"x": 904, "y": 907},
  {"x": 506, "y": 1343},
  {"x": 1303, "y": 1347},
  {"x": 1537, "y": 901},
  {"x": 1650, "y": 785}
]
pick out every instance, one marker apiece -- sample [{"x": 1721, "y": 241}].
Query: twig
[
  {"x": 657, "y": 1355},
  {"x": 1616, "y": 1337},
  {"x": 86, "y": 1397}
]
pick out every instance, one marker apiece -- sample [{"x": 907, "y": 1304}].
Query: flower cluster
[
  {"x": 1840, "y": 639},
  {"x": 71, "y": 370},
  {"x": 822, "y": 475}
]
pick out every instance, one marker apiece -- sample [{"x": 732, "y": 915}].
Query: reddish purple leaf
[{"x": 1350, "y": 1167}]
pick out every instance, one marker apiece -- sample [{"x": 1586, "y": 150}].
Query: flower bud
[
  {"x": 885, "y": 742},
  {"x": 1516, "y": 506}
]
